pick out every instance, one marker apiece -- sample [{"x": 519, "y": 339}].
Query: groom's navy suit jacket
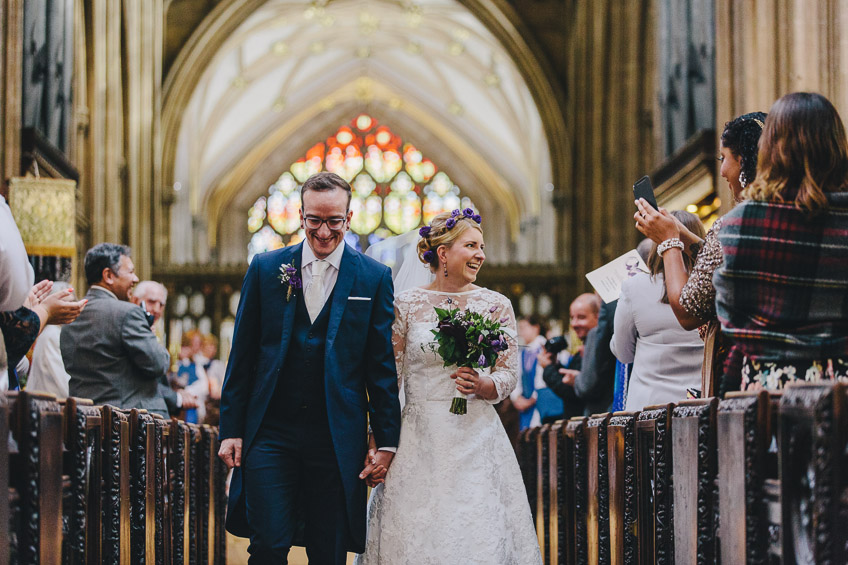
[{"x": 359, "y": 368}]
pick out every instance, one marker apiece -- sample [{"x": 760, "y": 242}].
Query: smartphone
[
  {"x": 642, "y": 188},
  {"x": 148, "y": 315}
]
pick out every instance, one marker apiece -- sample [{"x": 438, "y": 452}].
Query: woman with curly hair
[
  {"x": 692, "y": 295},
  {"x": 781, "y": 291}
]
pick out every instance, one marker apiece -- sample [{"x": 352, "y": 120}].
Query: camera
[{"x": 556, "y": 344}]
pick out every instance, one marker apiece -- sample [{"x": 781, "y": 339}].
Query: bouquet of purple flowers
[{"x": 467, "y": 339}]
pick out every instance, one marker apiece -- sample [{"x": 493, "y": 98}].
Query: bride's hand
[{"x": 469, "y": 381}]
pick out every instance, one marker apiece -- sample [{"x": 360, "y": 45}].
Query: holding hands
[{"x": 377, "y": 464}]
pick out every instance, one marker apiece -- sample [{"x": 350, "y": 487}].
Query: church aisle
[{"x": 237, "y": 553}]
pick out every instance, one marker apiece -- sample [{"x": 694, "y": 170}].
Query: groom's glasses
[{"x": 314, "y": 223}]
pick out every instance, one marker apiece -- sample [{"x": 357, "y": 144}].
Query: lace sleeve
[
  {"x": 698, "y": 295},
  {"x": 505, "y": 371},
  {"x": 399, "y": 338}
]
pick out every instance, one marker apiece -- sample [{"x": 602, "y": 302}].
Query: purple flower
[
  {"x": 455, "y": 213},
  {"x": 493, "y": 309},
  {"x": 477, "y": 218},
  {"x": 482, "y": 361},
  {"x": 429, "y": 255},
  {"x": 468, "y": 213},
  {"x": 480, "y": 339},
  {"x": 295, "y": 281},
  {"x": 496, "y": 344},
  {"x": 290, "y": 270},
  {"x": 424, "y": 231},
  {"x": 450, "y": 223},
  {"x": 504, "y": 320}
]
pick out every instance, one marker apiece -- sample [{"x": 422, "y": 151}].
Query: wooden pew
[
  {"x": 654, "y": 483},
  {"x": 557, "y": 477},
  {"x": 116, "y": 537},
  {"x": 36, "y": 476},
  {"x": 597, "y": 482},
  {"x": 162, "y": 515},
  {"x": 83, "y": 432},
  {"x": 744, "y": 424},
  {"x": 543, "y": 490},
  {"x": 213, "y": 491},
  {"x": 577, "y": 550},
  {"x": 529, "y": 457},
  {"x": 623, "y": 508},
  {"x": 813, "y": 473},
  {"x": 142, "y": 486},
  {"x": 193, "y": 485},
  {"x": 694, "y": 470},
  {"x": 221, "y": 474},
  {"x": 5, "y": 517},
  {"x": 179, "y": 469}
]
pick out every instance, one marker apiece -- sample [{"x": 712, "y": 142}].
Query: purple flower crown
[{"x": 455, "y": 216}]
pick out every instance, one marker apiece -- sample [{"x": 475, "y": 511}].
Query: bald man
[
  {"x": 583, "y": 314},
  {"x": 154, "y": 295}
]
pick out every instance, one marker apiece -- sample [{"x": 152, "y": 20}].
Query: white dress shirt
[
  {"x": 331, "y": 275},
  {"x": 16, "y": 274}
]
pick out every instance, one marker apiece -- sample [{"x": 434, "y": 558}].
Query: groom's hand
[
  {"x": 230, "y": 452},
  {"x": 377, "y": 465}
]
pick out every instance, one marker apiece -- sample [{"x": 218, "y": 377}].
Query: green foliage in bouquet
[{"x": 465, "y": 338}]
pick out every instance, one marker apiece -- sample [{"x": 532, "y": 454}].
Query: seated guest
[
  {"x": 526, "y": 393},
  {"x": 110, "y": 351},
  {"x": 781, "y": 291},
  {"x": 666, "y": 358},
  {"x": 583, "y": 313},
  {"x": 47, "y": 373},
  {"x": 152, "y": 296}
]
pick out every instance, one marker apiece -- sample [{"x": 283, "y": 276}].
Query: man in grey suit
[{"x": 110, "y": 352}]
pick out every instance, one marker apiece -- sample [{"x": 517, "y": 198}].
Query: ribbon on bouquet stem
[{"x": 459, "y": 405}]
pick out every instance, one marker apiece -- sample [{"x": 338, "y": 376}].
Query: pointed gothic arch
[{"x": 223, "y": 24}]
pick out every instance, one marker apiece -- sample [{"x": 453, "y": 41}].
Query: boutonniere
[{"x": 290, "y": 278}]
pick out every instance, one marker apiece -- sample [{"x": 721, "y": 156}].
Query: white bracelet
[{"x": 668, "y": 244}]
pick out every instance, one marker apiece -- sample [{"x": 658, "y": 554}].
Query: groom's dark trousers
[{"x": 291, "y": 475}]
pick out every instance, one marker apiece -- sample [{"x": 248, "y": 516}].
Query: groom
[{"x": 311, "y": 356}]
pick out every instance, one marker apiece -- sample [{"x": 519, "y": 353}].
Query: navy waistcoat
[{"x": 301, "y": 384}]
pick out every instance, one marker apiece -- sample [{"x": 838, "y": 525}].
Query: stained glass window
[{"x": 394, "y": 188}]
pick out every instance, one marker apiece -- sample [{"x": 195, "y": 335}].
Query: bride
[{"x": 454, "y": 493}]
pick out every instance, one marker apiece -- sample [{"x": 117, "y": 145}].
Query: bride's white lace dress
[{"x": 454, "y": 493}]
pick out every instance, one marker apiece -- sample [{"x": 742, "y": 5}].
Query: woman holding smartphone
[{"x": 692, "y": 295}]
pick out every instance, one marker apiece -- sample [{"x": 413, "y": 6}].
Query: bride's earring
[
  {"x": 446, "y": 269},
  {"x": 742, "y": 180}
]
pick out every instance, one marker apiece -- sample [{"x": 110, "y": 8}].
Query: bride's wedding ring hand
[{"x": 467, "y": 380}]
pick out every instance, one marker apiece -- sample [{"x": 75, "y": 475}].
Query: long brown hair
[
  {"x": 655, "y": 262},
  {"x": 803, "y": 153}
]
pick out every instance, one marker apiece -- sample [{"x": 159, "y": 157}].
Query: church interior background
[{"x": 183, "y": 128}]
